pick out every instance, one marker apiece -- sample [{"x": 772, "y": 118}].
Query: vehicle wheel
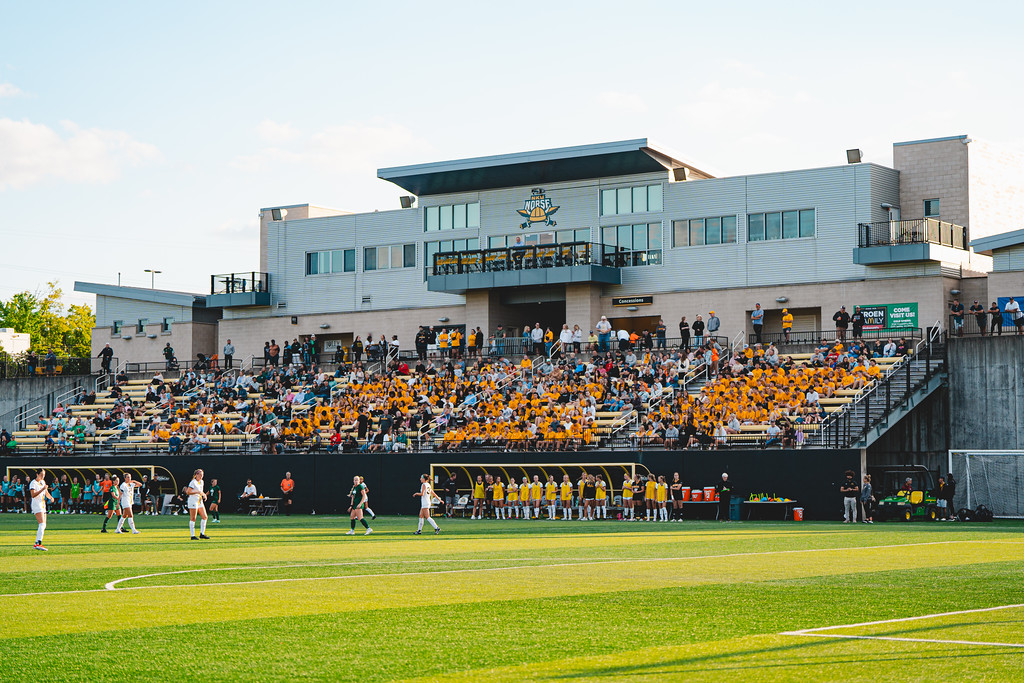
[
  {"x": 907, "y": 515},
  {"x": 932, "y": 515}
]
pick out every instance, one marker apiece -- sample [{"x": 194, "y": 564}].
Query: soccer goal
[{"x": 994, "y": 479}]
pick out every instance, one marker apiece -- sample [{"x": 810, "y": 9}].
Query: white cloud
[
  {"x": 359, "y": 148},
  {"x": 623, "y": 101},
  {"x": 274, "y": 132},
  {"x": 9, "y": 90},
  {"x": 33, "y": 152}
]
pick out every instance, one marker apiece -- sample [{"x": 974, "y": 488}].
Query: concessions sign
[{"x": 632, "y": 300}]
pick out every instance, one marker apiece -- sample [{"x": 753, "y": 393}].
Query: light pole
[{"x": 152, "y": 277}]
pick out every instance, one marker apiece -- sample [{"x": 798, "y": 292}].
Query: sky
[{"x": 148, "y": 135}]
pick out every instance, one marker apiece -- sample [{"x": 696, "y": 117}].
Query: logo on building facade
[{"x": 537, "y": 209}]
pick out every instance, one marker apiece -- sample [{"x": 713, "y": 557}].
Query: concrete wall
[
  {"x": 986, "y": 392},
  {"x": 920, "y": 438},
  {"x": 187, "y": 339},
  {"x": 934, "y": 170},
  {"x": 15, "y": 393}
]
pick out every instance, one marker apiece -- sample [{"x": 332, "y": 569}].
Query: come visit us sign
[{"x": 889, "y": 316}]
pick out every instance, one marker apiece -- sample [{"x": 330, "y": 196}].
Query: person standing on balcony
[
  {"x": 978, "y": 311},
  {"x": 698, "y": 332},
  {"x": 604, "y": 333},
  {"x": 229, "y": 354},
  {"x": 659, "y": 333},
  {"x": 108, "y": 353},
  {"x": 1012, "y": 309},
  {"x": 537, "y": 337},
  {"x": 957, "y": 310},
  {"x": 757, "y": 321},
  {"x": 858, "y": 322},
  {"x": 684, "y": 333},
  {"x": 565, "y": 340},
  {"x": 714, "y": 324},
  {"x": 842, "y": 320},
  {"x": 577, "y": 339},
  {"x": 787, "y": 325},
  {"x": 997, "y": 319}
]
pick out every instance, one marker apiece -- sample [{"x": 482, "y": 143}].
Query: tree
[{"x": 43, "y": 315}]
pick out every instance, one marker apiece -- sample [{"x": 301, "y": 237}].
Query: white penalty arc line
[{"x": 817, "y": 631}]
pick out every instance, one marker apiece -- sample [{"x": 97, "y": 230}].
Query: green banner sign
[{"x": 889, "y": 316}]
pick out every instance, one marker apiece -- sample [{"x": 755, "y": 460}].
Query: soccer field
[{"x": 279, "y": 598}]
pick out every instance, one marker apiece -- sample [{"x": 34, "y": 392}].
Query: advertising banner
[{"x": 889, "y": 316}]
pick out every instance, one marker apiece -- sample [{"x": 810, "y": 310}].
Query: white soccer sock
[
  {"x": 120, "y": 523},
  {"x": 420, "y": 527},
  {"x": 526, "y": 513},
  {"x": 202, "y": 526},
  {"x": 432, "y": 522},
  {"x": 192, "y": 527},
  {"x": 131, "y": 523},
  {"x": 39, "y": 532},
  {"x": 604, "y": 512},
  {"x": 370, "y": 512}
]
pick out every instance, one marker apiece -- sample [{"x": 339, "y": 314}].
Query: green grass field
[{"x": 280, "y": 598}]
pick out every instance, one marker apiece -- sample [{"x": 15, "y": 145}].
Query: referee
[
  {"x": 287, "y": 487},
  {"x": 724, "y": 497}
]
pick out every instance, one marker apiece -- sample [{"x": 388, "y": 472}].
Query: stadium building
[{"x": 624, "y": 229}]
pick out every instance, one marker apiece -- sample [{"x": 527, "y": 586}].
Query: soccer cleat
[
  {"x": 350, "y": 532},
  {"x": 417, "y": 533},
  {"x": 216, "y": 521},
  {"x": 194, "y": 538},
  {"x": 373, "y": 516},
  {"x": 103, "y": 531},
  {"x": 368, "y": 531},
  {"x": 136, "y": 531},
  {"x": 118, "y": 531},
  {"x": 39, "y": 546},
  {"x": 437, "y": 531},
  {"x": 204, "y": 537}
]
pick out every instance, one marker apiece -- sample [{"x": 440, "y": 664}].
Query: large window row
[
  {"x": 452, "y": 217},
  {"x": 637, "y": 245},
  {"x": 392, "y": 256},
  {"x": 780, "y": 225},
  {"x": 631, "y": 200},
  {"x": 558, "y": 237},
  {"x": 336, "y": 261},
  {"x": 699, "y": 231}
]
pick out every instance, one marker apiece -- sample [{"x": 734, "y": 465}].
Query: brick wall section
[{"x": 934, "y": 170}]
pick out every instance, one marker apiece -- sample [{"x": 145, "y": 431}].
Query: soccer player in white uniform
[
  {"x": 127, "y": 500},
  {"x": 196, "y": 506},
  {"x": 426, "y": 495},
  {"x": 40, "y": 493}
]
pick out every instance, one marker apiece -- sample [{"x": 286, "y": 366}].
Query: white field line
[
  {"x": 817, "y": 631},
  {"x": 111, "y": 586}
]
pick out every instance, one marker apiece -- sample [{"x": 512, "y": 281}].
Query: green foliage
[{"x": 68, "y": 331}]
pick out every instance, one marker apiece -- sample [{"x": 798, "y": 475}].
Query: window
[
  {"x": 451, "y": 217},
  {"x": 336, "y": 261},
  {"x": 343, "y": 261},
  {"x": 409, "y": 256},
  {"x": 780, "y": 225},
  {"x": 115, "y": 328},
  {"x": 931, "y": 208},
  {"x": 444, "y": 246},
  {"x": 165, "y": 326},
  {"x": 640, "y": 199},
  {"x": 633, "y": 245},
  {"x": 140, "y": 328},
  {"x": 698, "y": 231}
]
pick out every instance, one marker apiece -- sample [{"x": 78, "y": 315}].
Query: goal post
[{"x": 994, "y": 479}]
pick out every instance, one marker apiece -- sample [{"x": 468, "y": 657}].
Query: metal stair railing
[{"x": 838, "y": 430}]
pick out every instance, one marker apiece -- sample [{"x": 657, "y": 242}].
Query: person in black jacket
[
  {"x": 724, "y": 489},
  {"x": 684, "y": 333},
  {"x": 842, "y": 320},
  {"x": 858, "y": 322},
  {"x": 948, "y": 492}
]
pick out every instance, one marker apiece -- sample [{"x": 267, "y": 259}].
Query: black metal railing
[
  {"x": 41, "y": 368},
  {"x": 987, "y": 325},
  {"x": 540, "y": 256},
  {"x": 828, "y": 336},
  {"x": 914, "y": 231},
  {"x": 239, "y": 283},
  {"x": 849, "y": 426}
]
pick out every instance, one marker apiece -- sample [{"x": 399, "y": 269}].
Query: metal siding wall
[
  {"x": 110, "y": 308},
  {"x": 1008, "y": 259}
]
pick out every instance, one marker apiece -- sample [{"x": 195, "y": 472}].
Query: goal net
[{"x": 994, "y": 479}]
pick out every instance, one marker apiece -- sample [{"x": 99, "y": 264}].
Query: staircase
[{"x": 906, "y": 385}]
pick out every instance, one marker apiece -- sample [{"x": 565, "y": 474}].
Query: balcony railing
[
  {"x": 914, "y": 231},
  {"x": 540, "y": 256},
  {"x": 239, "y": 283}
]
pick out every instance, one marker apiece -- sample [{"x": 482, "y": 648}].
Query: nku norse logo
[{"x": 537, "y": 209}]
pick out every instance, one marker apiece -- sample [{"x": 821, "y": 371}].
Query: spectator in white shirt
[{"x": 890, "y": 349}]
